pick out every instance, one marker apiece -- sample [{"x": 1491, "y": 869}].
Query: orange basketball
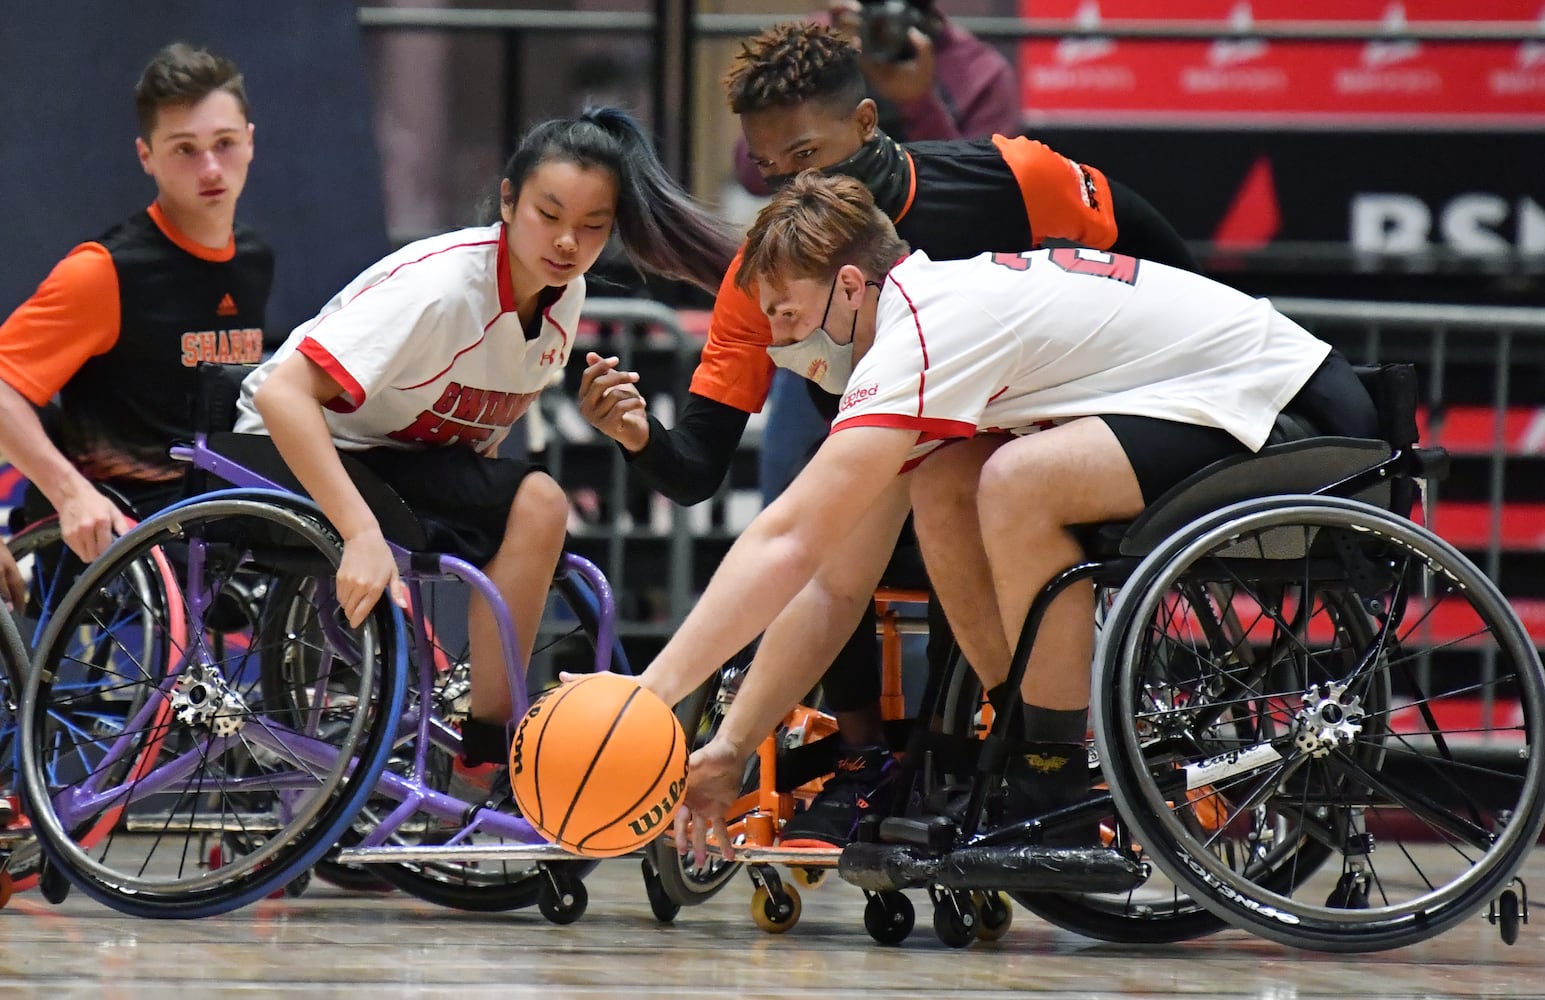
[{"x": 598, "y": 765}]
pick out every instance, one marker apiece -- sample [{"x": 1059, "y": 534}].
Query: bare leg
[
  {"x": 522, "y": 570},
  {"x": 944, "y": 515},
  {"x": 1031, "y": 491}
]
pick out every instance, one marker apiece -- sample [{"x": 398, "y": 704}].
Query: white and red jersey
[
  {"x": 1018, "y": 342},
  {"x": 428, "y": 348}
]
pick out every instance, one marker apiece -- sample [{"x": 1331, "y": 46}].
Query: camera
[{"x": 883, "y": 27}]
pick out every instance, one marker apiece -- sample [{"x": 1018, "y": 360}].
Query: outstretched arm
[
  {"x": 779, "y": 554},
  {"x": 290, "y": 402},
  {"x": 686, "y": 463}
]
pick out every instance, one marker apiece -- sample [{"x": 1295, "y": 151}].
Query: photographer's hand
[
  {"x": 906, "y": 81},
  {"x": 845, "y": 17}
]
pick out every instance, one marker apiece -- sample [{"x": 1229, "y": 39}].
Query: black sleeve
[
  {"x": 687, "y": 463},
  {"x": 1142, "y": 232}
]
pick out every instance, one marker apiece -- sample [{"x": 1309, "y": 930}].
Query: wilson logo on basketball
[
  {"x": 657, "y": 814},
  {"x": 516, "y": 764}
]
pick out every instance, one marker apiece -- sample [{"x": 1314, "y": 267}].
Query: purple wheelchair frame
[{"x": 410, "y": 791}]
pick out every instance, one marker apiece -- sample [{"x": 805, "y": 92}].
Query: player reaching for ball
[
  {"x": 1009, "y": 397},
  {"x": 422, "y": 363}
]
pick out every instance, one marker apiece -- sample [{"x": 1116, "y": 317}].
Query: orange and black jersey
[
  {"x": 117, "y": 330},
  {"x": 965, "y": 197}
]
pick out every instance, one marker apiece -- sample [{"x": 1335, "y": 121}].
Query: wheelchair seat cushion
[
  {"x": 257, "y": 452},
  {"x": 1303, "y": 466}
]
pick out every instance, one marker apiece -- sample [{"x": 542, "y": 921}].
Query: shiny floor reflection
[{"x": 340, "y": 944}]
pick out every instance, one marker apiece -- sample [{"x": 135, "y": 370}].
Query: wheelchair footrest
[
  {"x": 884, "y": 867},
  {"x": 938, "y": 833}
]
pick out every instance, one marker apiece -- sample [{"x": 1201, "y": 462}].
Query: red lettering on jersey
[
  {"x": 1012, "y": 261},
  {"x": 1116, "y": 266},
  {"x": 429, "y": 428},
  {"x": 550, "y": 357},
  {"x": 208, "y": 344},
  {"x": 433, "y": 429},
  {"x": 447, "y": 399},
  {"x": 491, "y": 404},
  {"x": 189, "y": 350},
  {"x": 470, "y": 403},
  {"x": 858, "y": 395},
  {"x": 520, "y": 402}
]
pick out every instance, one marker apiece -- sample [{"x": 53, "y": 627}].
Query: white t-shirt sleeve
[
  {"x": 377, "y": 335},
  {"x": 933, "y": 368}
]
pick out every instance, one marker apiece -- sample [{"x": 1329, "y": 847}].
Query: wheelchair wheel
[
  {"x": 567, "y": 641},
  {"x": 171, "y": 736},
  {"x": 1383, "y": 694},
  {"x": 1159, "y": 911},
  {"x": 49, "y": 569},
  {"x": 701, "y": 715}
]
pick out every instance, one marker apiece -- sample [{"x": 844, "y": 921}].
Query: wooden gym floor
[{"x": 332, "y": 943}]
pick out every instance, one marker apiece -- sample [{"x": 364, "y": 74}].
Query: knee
[
  {"x": 1009, "y": 499},
  {"x": 541, "y": 509},
  {"x": 945, "y": 482}
]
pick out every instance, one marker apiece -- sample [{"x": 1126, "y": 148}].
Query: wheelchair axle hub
[
  {"x": 201, "y": 697},
  {"x": 1330, "y": 718}
]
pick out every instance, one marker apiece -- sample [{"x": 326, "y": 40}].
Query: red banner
[{"x": 1392, "y": 80}]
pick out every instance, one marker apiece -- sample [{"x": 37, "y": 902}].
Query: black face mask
[{"x": 880, "y": 165}]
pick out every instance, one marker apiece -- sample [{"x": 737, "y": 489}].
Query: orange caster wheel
[
  {"x": 807, "y": 878},
  {"x": 775, "y": 915},
  {"x": 996, "y": 915}
]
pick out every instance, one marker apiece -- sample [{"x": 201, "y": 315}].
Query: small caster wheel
[
  {"x": 661, "y": 904},
  {"x": 8, "y": 886},
  {"x": 995, "y": 915},
  {"x": 563, "y": 898},
  {"x": 1508, "y": 917},
  {"x": 889, "y": 917},
  {"x": 955, "y": 919},
  {"x": 52, "y": 884},
  {"x": 1350, "y": 893},
  {"x": 807, "y": 878},
  {"x": 775, "y": 914}
]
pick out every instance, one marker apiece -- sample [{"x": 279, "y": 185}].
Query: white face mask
[{"x": 818, "y": 357}]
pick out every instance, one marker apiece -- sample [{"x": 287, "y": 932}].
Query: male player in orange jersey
[{"x": 118, "y": 328}]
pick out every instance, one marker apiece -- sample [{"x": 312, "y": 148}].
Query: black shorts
[
  {"x": 461, "y": 498},
  {"x": 1165, "y": 452}
]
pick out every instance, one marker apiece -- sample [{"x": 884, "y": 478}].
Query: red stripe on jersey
[
  {"x": 323, "y": 359},
  {"x": 922, "y": 376},
  {"x": 928, "y": 428},
  {"x": 452, "y": 363},
  {"x": 997, "y": 394},
  {"x": 548, "y": 314},
  {"x": 407, "y": 263},
  {"x": 506, "y": 283}
]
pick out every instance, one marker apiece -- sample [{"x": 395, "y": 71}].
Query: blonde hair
[{"x": 814, "y": 226}]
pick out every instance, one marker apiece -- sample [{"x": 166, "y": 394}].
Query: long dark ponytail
[{"x": 662, "y": 228}]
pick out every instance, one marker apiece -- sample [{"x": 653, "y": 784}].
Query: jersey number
[{"x": 1116, "y": 266}]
